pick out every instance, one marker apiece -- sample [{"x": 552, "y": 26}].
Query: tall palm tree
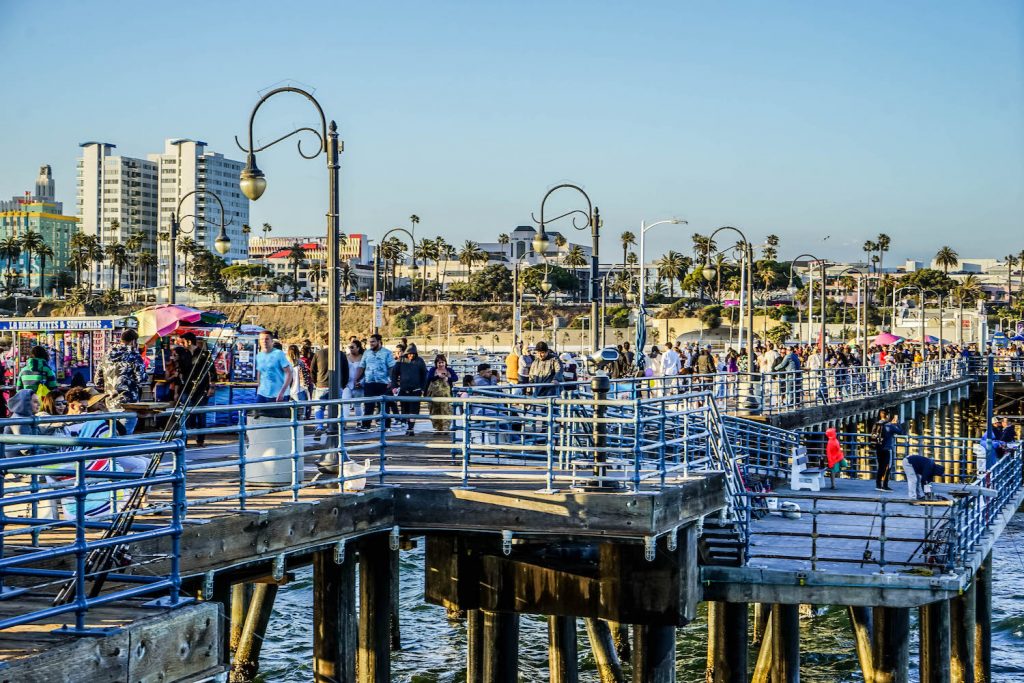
[
  {"x": 560, "y": 240},
  {"x": 469, "y": 253},
  {"x": 146, "y": 261},
  {"x": 296, "y": 256},
  {"x": 870, "y": 248},
  {"x": 1011, "y": 261},
  {"x": 882, "y": 244},
  {"x": 186, "y": 247},
  {"x": 347, "y": 276},
  {"x": 627, "y": 239},
  {"x": 62, "y": 282},
  {"x": 31, "y": 241},
  {"x": 119, "y": 258},
  {"x": 267, "y": 227},
  {"x": 575, "y": 258},
  {"x": 504, "y": 240},
  {"x": 969, "y": 290},
  {"x": 424, "y": 251},
  {"x": 317, "y": 274},
  {"x": 94, "y": 255},
  {"x": 392, "y": 250},
  {"x": 10, "y": 249},
  {"x": 771, "y": 249},
  {"x": 702, "y": 247},
  {"x": 447, "y": 253},
  {"x": 134, "y": 246},
  {"x": 671, "y": 267},
  {"x": 77, "y": 246},
  {"x": 43, "y": 251},
  {"x": 440, "y": 254}
]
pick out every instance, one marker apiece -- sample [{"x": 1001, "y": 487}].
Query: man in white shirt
[
  {"x": 767, "y": 362},
  {"x": 670, "y": 365}
]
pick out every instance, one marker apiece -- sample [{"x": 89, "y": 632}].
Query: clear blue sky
[{"x": 799, "y": 118}]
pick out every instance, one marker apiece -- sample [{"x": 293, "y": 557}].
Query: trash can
[{"x": 270, "y": 437}]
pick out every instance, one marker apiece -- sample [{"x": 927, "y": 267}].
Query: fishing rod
[{"x": 102, "y": 561}]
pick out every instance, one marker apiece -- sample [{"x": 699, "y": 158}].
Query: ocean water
[{"x": 434, "y": 648}]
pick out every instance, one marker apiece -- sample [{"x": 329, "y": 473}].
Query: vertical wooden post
[
  {"x": 334, "y": 619},
  {"x": 240, "y": 593},
  {"x": 890, "y": 647},
  {"x": 474, "y": 646},
  {"x": 761, "y": 614},
  {"x": 500, "y": 647},
  {"x": 247, "y": 656},
  {"x": 563, "y": 661},
  {"x": 609, "y": 669},
  {"x": 785, "y": 643},
  {"x": 861, "y": 624},
  {"x": 727, "y": 643},
  {"x": 374, "y": 610},
  {"x": 934, "y": 641},
  {"x": 962, "y": 623},
  {"x": 983, "y": 622},
  {"x": 654, "y": 654},
  {"x": 394, "y": 572},
  {"x": 620, "y": 636}
]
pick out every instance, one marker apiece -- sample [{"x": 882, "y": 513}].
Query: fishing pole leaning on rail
[{"x": 102, "y": 561}]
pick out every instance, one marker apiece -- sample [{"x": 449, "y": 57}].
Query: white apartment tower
[
  {"x": 185, "y": 166},
  {"x": 116, "y": 196}
]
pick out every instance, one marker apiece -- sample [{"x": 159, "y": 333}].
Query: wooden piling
[
  {"x": 394, "y": 572},
  {"x": 760, "y": 622},
  {"x": 962, "y": 621},
  {"x": 563, "y": 660},
  {"x": 240, "y": 593},
  {"x": 334, "y": 619},
  {"x": 500, "y": 647},
  {"x": 474, "y": 646},
  {"x": 654, "y": 655},
  {"x": 247, "y": 656},
  {"x": 727, "y": 643},
  {"x": 861, "y": 624},
  {"x": 934, "y": 652},
  {"x": 601, "y": 644},
  {"x": 983, "y": 622},
  {"x": 374, "y": 610},
  {"x": 890, "y": 644},
  {"x": 620, "y": 636},
  {"x": 763, "y": 666},
  {"x": 785, "y": 643}
]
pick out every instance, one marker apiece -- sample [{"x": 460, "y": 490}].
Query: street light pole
[
  {"x": 222, "y": 244},
  {"x": 593, "y": 216},
  {"x": 747, "y": 256},
  {"x": 253, "y": 183},
  {"x": 641, "y": 317}
]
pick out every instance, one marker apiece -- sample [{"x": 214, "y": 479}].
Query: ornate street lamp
[
  {"x": 253, "y": 184},
  {"x": 541, "y": 243},
  {"x": 222, "y": 243}
]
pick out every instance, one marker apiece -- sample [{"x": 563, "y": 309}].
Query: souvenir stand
[{"x": 75, "y": 344}]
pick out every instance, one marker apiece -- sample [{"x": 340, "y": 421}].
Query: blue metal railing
[{"x": 43, "y": 495}]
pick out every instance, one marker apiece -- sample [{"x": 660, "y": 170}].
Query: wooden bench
[{"x": 801, "y": 476}]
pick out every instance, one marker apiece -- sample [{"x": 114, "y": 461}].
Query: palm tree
[
  {"x": 574, "y": 258},
  {"x": 767, "y": 277},
  {"x": 62, "y": 282},
  {"x": 560, "y": 240},
  {"x": 43, "y": 251},
  {"x": 146, "y": 261},
  {"x": 447, "y": 253},
  {"x": 186, "y": 247},
  {"x": 627, "y": 239},
  {"x": 1011, "y": 261},
  {"x": 391, "y": 251},
  {"x": 969, "y": 290},
  {"x": 870, "y": 248},
  {"x": 504, "y": 240},
  {"x": 702, "y": 246},
  {"x": 882, "y": 244},
  {"x": 118, "y": 256},
  {"x": 10, "y": 249},
  {"x": 469, "y": 253},
  {"x": 671, "y": 267},
  {"x": 771, "y": 250},
  {"x": 267, "y": 227},
  {"x": 946, "y": 257},
  {"x": 134, "y": 246},
  {"x": 347, "y": 276},
  {"x": 31, "y": 241},
  {"x": 296, "y": 255},
  {"x": 317, "y": 273},
  {"x": 425, "y": 251}
]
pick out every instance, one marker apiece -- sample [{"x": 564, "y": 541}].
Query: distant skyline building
[
  {"x": 357, "y": 246},
  {"x": 45, "y": 191},
  {"x": 184, "y": 166},
  {"x": 117, "y": 195},
  {"x": 45, "y": 218}
]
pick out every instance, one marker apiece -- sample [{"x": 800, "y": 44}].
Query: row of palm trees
[
  {"x": 30, "y": 243},
  {"x": 947, "y": 258}
]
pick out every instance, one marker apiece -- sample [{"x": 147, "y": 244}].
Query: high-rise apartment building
[
  {"x": 185, "y": 166},
  {"x": 117, "y": 196}
]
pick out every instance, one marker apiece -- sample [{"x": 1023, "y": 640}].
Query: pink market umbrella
[
  {"x": 163, "y": 319},
  {"x": 887, "y": 339}
]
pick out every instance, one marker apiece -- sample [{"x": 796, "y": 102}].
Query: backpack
[{"x": 878, "y": 435}]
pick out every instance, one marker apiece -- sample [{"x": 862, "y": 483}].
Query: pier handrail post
[
  {"x": 465, "y": 441},
  {"x": 550, "y": 475},
  {"x": 243, "y": 419},
  {"x": 637, "y": 448},
  {"x": 383, "y": 434},
  {"x": 296, "y": 456},
  {"x": 178, "y": 513},
  {"x": 80, "y": 545}
]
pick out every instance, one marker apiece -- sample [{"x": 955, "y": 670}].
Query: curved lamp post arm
[
  {"x": 223, "y": 243},
  {"x": 321, "y": 135}
]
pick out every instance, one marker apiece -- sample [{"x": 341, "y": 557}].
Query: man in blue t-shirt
[{"x": 273, "y": 371}]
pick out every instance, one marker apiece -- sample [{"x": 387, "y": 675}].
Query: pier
[{"x": 616, "y": 507}]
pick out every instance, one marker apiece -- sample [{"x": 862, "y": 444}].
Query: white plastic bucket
[{"x": 272, "y": 441}]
